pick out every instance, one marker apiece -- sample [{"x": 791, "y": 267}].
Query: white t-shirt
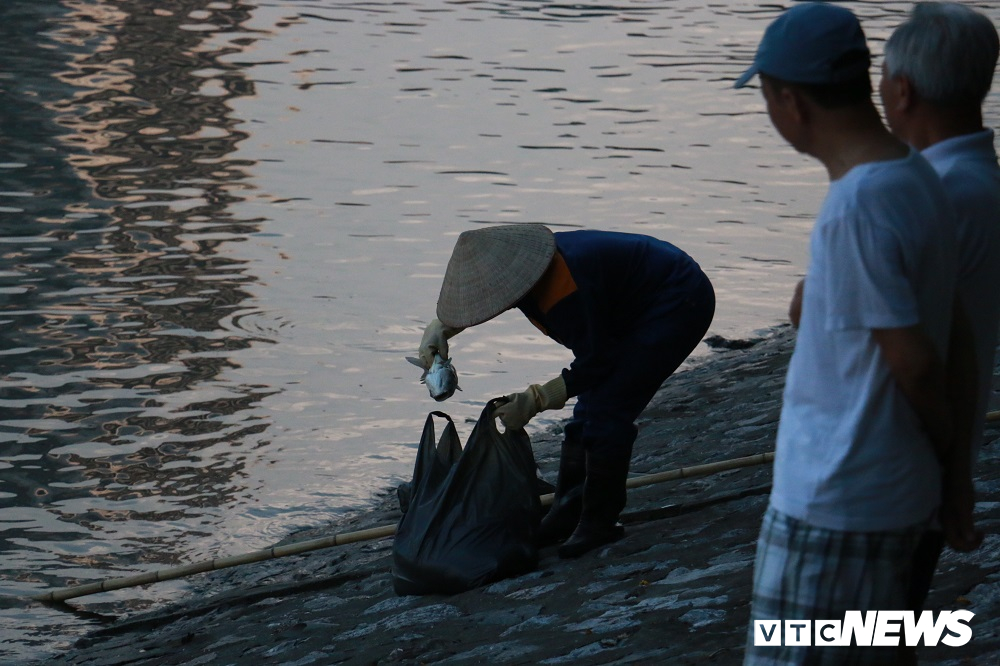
[
  {"x": 968, "y": 166},
  {"x": 851, "y": 453}
]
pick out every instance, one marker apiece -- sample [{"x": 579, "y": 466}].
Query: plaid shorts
[{"x": 804, "y": 572}]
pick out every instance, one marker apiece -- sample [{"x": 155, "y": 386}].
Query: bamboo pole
[
  {"x": 111, "y": 584},
  {"x": 688, "y": 472},
  {"x": 62, "y": 594},
  {"x": 700, "y": 470}
]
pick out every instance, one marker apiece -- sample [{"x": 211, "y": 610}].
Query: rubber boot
[
  {"x": 564, "y": 514},
  {"x": 603, "y": 501}
]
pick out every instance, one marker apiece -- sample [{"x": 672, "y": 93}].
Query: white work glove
[
  {"x": 521, "y": 407},
  {"x": 435, "y": 341}
]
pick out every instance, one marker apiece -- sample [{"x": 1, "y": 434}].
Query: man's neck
[
  {"x": 929, "y": 124},
  {"x": 847, "y": 138}
]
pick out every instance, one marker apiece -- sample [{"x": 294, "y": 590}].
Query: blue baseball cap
[{"x": 811, "y": 43}]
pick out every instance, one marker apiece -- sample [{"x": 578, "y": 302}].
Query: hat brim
[
  {"x": 747, "y": 75},
  {"x": 491, "y": 270}
]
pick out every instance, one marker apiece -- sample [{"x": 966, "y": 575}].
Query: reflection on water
[
  {"x": 223, "y": 225},
  {"x": 117, "y": 180}
]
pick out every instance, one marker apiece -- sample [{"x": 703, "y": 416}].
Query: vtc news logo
[{"x": 871, "y": 628}]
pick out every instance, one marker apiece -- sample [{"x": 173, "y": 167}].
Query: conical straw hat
[{"x": 491, "y": 269}]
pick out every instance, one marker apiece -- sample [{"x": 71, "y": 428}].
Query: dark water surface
[{"x": 223, "y": 225}]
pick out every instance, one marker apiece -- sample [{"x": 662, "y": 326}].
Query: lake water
[{"x": 223, "y": 226}]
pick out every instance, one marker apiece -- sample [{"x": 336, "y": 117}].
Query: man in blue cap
[{"x": 865, "y": 417}]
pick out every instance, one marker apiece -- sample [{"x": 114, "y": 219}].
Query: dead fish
[{"x": 441, "y": 379}]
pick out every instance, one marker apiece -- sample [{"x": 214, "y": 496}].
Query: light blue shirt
[
  {"x": 968, "y": 166},
  {"x": 851, "y": 453}
]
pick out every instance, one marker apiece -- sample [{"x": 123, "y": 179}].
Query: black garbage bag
[{"x": 472, "y": 514}]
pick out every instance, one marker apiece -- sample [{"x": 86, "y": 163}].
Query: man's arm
[
  {"x": 944, "y": 400},
  {"x": 922, "y": 377},
  {"x": 795, "y": 307},
  {"x": 958, "y": 501}
]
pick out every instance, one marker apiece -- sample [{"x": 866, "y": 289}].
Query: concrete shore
[{"x": 675, "y": 590}]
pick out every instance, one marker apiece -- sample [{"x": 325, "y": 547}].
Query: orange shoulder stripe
[{"x": 556, "y": 284}]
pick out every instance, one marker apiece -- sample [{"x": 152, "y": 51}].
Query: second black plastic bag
[{"x": 472, "y": 514}]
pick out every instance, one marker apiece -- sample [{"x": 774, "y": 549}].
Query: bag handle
[
  {"x": 441, "y": 414},
  {"x": 488, "y": 412},
  {"x": 436, "y": 451},
  {"x": 491, "y": 406},
  {"x": 429, "y": 427}
]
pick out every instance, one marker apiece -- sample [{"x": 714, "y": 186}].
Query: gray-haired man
[{"x": 938, "y": 68}]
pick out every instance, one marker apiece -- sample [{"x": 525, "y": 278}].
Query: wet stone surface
[{"x": 674, "y": 590}]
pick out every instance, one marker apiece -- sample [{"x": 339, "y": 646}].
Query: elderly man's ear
[{"x": 897, "y": 93}]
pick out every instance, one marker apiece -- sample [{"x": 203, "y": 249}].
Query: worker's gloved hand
[
  {"x": 522, "y": 407},
  {"x": 435, "y": 341}
]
